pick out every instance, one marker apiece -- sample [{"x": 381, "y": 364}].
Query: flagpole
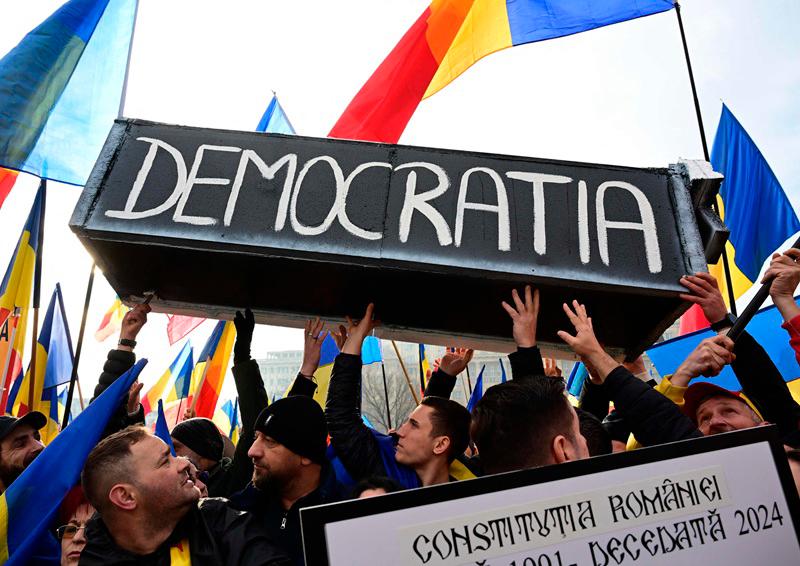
[
  {"x": 386, "y": 396},
  {"x": 37, "y": 291},
  {"x": 128, "y": 64},
  {"x": 725, "y": 263},
  {"x": 469, "y": 380},
  {"x": 421, "y": 371},
  {"x": 405, "y": 372},
  {"x": 73, "y": 379}
]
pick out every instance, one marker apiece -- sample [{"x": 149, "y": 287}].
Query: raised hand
[
  {"x": 244, "y": 323},
  {"x": 133, "y": 397},
  {"x": 455, "y": 360},
  {"x": 704, "y": 291},
  {"x": 312, "y": 346},
  {"x": 357, "y": 331},
  {"x": 551, "y": 368},
  {"x": 524, "y": 316},
  {"x": 133, "y": 321},
  {"x": 708, "y": 359},
  {"x": 785, "y": 273},
  {"x": 584, "y": 343}
]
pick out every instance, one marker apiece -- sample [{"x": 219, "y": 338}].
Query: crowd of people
[{"x": 212, "y": 503}]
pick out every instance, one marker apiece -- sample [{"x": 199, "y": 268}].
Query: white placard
[{"x": 724, "y": 506}]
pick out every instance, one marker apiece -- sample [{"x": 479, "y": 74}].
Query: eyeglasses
[{"x": 68, "y": 531}]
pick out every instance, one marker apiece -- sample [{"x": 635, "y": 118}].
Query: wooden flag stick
[{"x": 405, "y": 372}]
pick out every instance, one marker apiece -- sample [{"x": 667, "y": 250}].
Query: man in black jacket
[
  {"x": 148, "y": 511},
  {"x": 290, "y": 470},
  {"x": 434, "y": 434}
]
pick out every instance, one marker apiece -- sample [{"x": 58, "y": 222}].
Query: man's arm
[
  {"x": 785, "y": 274},
  {"x": 527, "y": 360},
  {"x": 652, "y": 418},
  {"x": 355, "y": 445},
  {"x": 761, "y": 381},
  {"x": 118, "y": 362},
  {"x": 252, "y": 398}
]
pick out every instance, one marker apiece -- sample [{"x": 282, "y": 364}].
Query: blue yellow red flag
[
  {"x": 450, "y": 36},
  {"x": 29, "y": 506},
  {"x": 60, "y": 89},
  {"x": 179, "y": 372},
  {"x": 54, "y": 358},
  {"x": 15, "y": 292},
  {"x": 275, "y": 120},
  {"x": 212, "y": 367},
  {"x": 753, "y": 204},
  {"x": 7, "y": 180}
]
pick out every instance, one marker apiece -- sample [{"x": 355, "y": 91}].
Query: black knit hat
[
  {"x": 298, "y": 423},
  {"x": 201, "y": 436}
]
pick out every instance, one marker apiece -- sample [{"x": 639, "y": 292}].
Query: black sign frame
[{"x": 314, "y": 519}]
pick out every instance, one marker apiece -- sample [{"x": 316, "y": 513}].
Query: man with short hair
[
  {"x": 290, "y": 470},
  {"x": 148, "y": 510},
  {"x": 526, "y": 424},
  {"x": 20, "y": 443},
  {"x": 430, "y": 439}
]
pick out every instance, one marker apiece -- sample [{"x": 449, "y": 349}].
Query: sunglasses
[{"x": 68, "y": 531}]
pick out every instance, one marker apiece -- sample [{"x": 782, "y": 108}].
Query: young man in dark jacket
[
  {"x": 433, "y": 435},
  {"x": 148, "y": 511},
  {"x": 290, "y": 470}
]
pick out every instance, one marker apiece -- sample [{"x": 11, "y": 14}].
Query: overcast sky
[{"x": 617, "y": 95}]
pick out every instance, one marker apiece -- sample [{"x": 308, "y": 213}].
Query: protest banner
[
  {"x": 291, "y": 226},
  {"x": 725, "y": 499}
]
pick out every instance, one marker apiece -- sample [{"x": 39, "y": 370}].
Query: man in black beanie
[
  {"x": 290, "y": 470},
  {"x": 199, "y": 440}
]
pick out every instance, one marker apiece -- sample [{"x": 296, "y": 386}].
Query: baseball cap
[
  {"x": 698, "y": 393},
  {"x": 34, "y": 419}
]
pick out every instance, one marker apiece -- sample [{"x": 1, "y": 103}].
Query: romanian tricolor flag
[
  {"x": 211, "y": 368},
  {"x": 15, "y": 291},
  {"x": 450, "y": 36},
  {"x": 30, "y": 504},
  {"x": 424, "y": 366},
  {"x": 753, "y": 206},
  {"x": 7, "y": 180},
  {"x": 179, "y": 372},
  {"x": 752, "y": 202},
  {"x": 60, "y": 89},
  {"x": 227, "y": 419},
  {"x": 54, "y": 359},
  {"x": 112, "y": 320}
]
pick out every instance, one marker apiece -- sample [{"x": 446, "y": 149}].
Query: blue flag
[
  {"x": 477, "y": 391},
  {"x": 371, "y": 351},
  {"x": 765, "y": 328},
  {"x": 162, "y": 430},
  {"x": 29, "y": 506},
  {"x": 577, "y": 377},
  {"x": 275, "y": 120},
  {"x": 502, "y": 371},
  {"x": 60, "y": 89},
  {"x": 755, "y": 207}
]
